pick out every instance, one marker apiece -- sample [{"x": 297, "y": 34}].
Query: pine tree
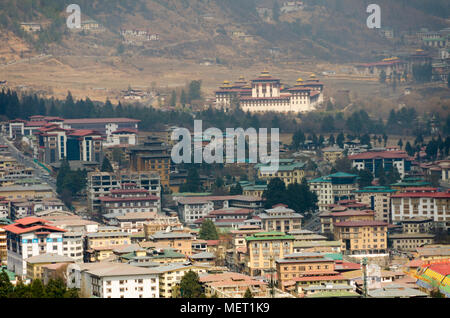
[
  {"x": 190, "y": 286},
  {"x": 6, "y": 287},
  {"x": 37, "y": 289},
  {"x": 248, "y": 293},
  {"x": 208, "y": 231},
  {"x": 106, "y": 165}
]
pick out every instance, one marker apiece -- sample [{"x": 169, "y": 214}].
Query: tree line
[{"x": 402, "y": 122}]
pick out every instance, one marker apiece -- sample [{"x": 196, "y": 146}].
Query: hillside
[{"x": 212, "y": 40}]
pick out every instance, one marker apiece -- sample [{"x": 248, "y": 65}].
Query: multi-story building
[
  {"x": 267, "y": 94},
  {"x": 101, "y": 244},
  {"x": 73, "y": 245},
  {"x": 410, "y": 241},
  {"x": 179, "y": 240},
  {"x": 226, "y": 217},
  {"x": 329, "y": 218},
  {"x": 35, "y": 263},
  {"x": 55, "y": 143},
  {"x": 289, "y": 170},
  {"x": 303, "y": 264},
  {"x": 170, "y": 276},
  {"x": 362, "y": 238},
  {"x": 422, "y": 202},
  {"x": 333, "y": 188},
  {"x": 191, "y": 209},
  {"x": 3, "y": 241},
  {"x": 264, "y": 248},
  {"x": 378, "y": 199},
  {"x": 229, "y": 93},
  {"x": 100, "y": 184},
  {"x": 134, "y": 222},
  {"x": 113, "y": 280},
  {"x": 38, "y": 191},
  {"x": 375, "y": 160},
  {"x": 129, "y": 199},
  {"x": 30, "y": 237},
  {"x": 333, "y": 153},
  {"x": 280, "y": 219},
  {"x": 417, "y": 225},
  {"x": 233, "y": 285},
  {"x": 105, "y": 126},
  {"x": 153, "y": 155}
]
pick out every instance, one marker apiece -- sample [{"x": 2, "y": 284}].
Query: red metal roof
[
  {"x": 100, "y": 120},
  {"x": 361, "y": 223},
  {"x": 380, "y": 154},
  {"x": 125, "y": 130},
  {"x": 438, "y": 195},
  {"x": 316, "y": 278},
  {"x": 83, "y": 132},
  {"x": 146, "y": 198},
  {"x": 30, "y": 220}
]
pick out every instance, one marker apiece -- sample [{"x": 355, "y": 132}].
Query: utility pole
[
  {"x": 272, "y": 288},
  {"x": 364, "y": 264}
]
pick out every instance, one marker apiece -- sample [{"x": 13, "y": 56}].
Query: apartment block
[
  {"x": 422, "y": 202},
  {"x": 333, "y": 188}
]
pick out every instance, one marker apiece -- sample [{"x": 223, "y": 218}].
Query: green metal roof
[
  {"x": 334, "y": 256},
  {"x": 11, "y": 275},
  {"x": 375, "y": 189},
  {"x": 270, "y": 236}
]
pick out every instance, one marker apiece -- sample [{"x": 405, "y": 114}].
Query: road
[
  {"x": 313, "y": 223},
  {"x": 39, "y": 172}
]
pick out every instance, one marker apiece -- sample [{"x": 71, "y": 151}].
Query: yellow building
[
  {"x": 331, "y": 154},
  {"x": 26, "y": 192},
  {"x": 264, "y": 248},
  {"x": 7, "y": 162},
  {"x": 362, "y": 237},
  {"x": 170, "y": 276},
  {"x": 181, "y": 241},
  {"x": 303, "y": 264},
  {"x": 289, "y": 171},
  {"x": 35, "y": 263},
  {"x": 281, "y": 219},
  {"x": 101, "y": 245}
]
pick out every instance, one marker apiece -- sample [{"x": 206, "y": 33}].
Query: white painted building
[
  {"x": 30, "y": 237},
  {"x": 422, "y": 202},
  {"x": 73, "y": 246},
  {"x": 269, "y": 95},
  {"x": 191, "y": 209},
  {"x": 113, "y": 280}
]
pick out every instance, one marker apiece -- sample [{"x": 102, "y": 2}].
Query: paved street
[{"x": 39, "y": 172}]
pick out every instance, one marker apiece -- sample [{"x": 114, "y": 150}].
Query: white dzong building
[{"x": 268, "y": 94}]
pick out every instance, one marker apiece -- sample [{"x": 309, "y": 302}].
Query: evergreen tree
[
  {"x": 248, "y": 293},
  {"x": 208, "y": 231},
  {"x": 340, "y": 140},
  {"x": 183, "y": 99},
  {"x": 365, "y": 178},
  {"x": 173, "y": 99},
  {"x": 37, "y": 289},
  {"x": 276, "y": 11},
  {"x": 236, "y": 190},
  {"x": 382, "y": 77},
  {"x": 192, "y": 181},
  {"x": 275, "y": 193},
  {"x": 106, "y": 165},
  {"x": 55, "y": 288},
  {"x": 6, "y": 287},
  {"x": 400, "y": 143},
  {"x": 190, "y": 286},
  {"x": 331, "y": 140},
  {"x": 409, "y": 149}
]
